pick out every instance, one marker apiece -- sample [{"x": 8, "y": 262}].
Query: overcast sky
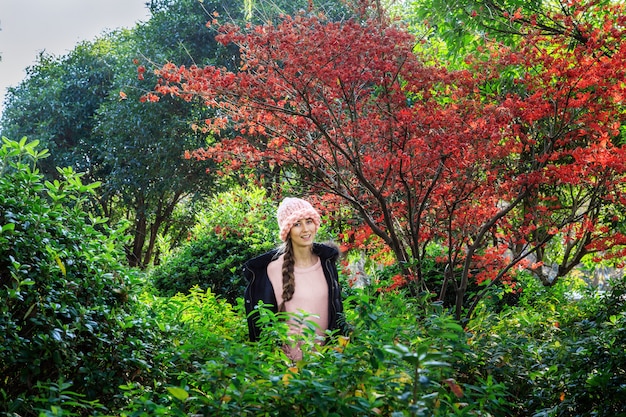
[{"x": 28, "y": 27}]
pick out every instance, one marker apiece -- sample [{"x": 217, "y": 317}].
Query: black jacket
[{"x": 260, "y": 288}]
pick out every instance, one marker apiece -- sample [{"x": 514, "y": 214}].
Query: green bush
[
  {"x": 193, "y": 320},
  {"x": 66, "y": 316},
  {"x": 558, "y": 357},
  {"x": 400, "y": 360},
  {"x": 236, "y": 226}
]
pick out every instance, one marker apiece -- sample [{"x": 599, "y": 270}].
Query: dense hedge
[
  {"x": 400, "y": 360},
  {"x": 66, "y": 317}
]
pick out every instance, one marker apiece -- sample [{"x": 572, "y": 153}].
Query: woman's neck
[{"x": 304, "y": 257}]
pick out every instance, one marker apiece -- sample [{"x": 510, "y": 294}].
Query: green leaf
[
  {"x": 7, "y": 227},
  {"x": 178, "y": 393}
]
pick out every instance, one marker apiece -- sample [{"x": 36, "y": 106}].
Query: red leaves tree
[{"x": 490, "y": 163}]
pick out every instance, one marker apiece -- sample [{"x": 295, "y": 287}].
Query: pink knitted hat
[{"x": 290, "y": 211}]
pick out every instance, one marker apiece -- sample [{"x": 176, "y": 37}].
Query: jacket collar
[{"x": 324, "y": 251}]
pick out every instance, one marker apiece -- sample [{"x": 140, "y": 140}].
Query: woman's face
[{"x": 303, "y": 232}]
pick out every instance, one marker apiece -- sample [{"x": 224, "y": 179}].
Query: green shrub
[
  {"x": 193, "y": 320},
  {"x": 557, "y": 357},
  {"x": 238, "y": 225},
  {"x": 400, "y": 360},
  {"x": 66, "y": 314}
]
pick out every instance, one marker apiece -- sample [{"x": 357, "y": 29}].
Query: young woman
[{"x": 298, "y": 277}]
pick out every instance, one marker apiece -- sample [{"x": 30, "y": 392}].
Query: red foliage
[{"x": 428, "y": 155}]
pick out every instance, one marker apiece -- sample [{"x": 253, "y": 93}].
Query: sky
[{"x": 28, "y": 27}]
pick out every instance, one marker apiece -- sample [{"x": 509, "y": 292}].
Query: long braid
[{"x": 289, "y": 281}]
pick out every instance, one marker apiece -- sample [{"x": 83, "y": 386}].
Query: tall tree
[
  {"x": 465, "y": 26},
  {"x": 428, "y": 155},
  {"x": 57, "y": 100},
  {"x": 84, "y": 107},
  {"x": 468, "y": 26},
  {"x": 142, "y": 144},
  {"x": 263, "y": 11}
]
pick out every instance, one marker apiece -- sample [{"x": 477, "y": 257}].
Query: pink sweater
[{"x": 310, "y": 296}]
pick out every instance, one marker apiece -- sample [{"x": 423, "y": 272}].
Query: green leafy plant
[
  {"x": 401, "y": 359},
  {"x": 557, "y": 356},
  {"x": 68, "y": 302},
  {"x": 236, "y": 226}
]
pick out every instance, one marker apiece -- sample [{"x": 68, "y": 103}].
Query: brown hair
[{"x": 289, "y": 281}]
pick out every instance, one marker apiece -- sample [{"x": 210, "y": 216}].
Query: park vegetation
[{"x": 469, "y": 160}]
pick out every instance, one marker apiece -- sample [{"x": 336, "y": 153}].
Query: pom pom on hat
[{"x": 291, "y": 210}]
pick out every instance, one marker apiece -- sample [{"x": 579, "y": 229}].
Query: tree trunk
[
  {"x": 163, "y": 213},
  {"x": 134, "y": 256}
]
